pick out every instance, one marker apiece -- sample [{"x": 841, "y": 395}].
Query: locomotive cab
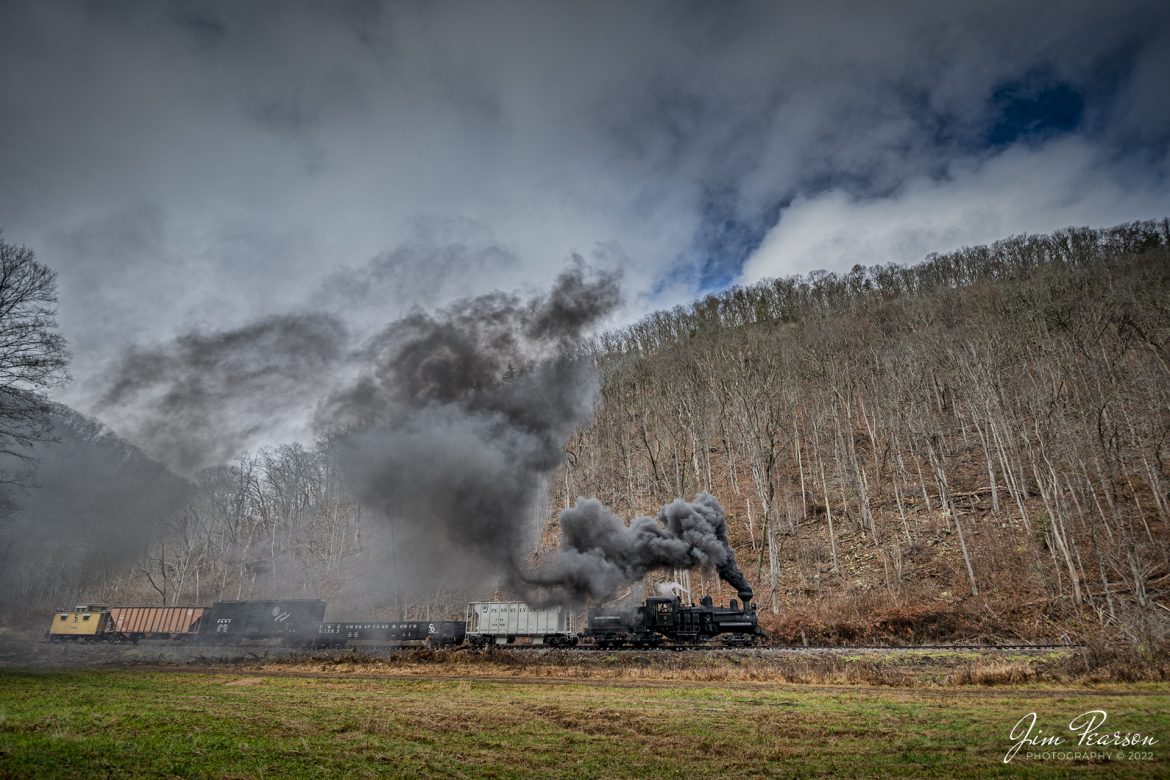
[{"x": 661, "y": 612}]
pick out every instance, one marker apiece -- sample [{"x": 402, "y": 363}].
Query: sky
[{"x": 195, "y": 167}]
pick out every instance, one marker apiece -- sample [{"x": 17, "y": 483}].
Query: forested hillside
[{"x": 975, "y": 445}]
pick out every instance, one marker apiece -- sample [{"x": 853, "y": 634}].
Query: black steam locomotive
[{"x": 666, "y": 621}]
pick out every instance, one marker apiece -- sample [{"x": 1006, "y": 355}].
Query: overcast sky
[{"x": 198, "y": 165}]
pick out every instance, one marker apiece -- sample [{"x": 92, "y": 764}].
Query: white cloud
[{"x": 980, "y": 200}]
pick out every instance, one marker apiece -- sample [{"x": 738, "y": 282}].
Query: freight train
[
  {"x": 659, "y": 622},
  {"x": 290, "y": 622}
]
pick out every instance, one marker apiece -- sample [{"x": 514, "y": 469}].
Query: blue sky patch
[
  {"x": 724, "y": 241},
  {"x": 1026, "y": 110}
]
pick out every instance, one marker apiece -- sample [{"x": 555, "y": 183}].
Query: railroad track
[
  {"x": 885, "y": 648},
  {"x": 792, "y": 648},
  {"x": 590, "y": 648}
]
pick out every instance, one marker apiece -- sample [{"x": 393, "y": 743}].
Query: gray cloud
[
  {"x": 199, "y": 401},
  {"x": 440, "y": 262},
  {"x": 237, "y": 159}
]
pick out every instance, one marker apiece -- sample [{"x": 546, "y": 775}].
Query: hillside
[{"x": 976, "y": 446}]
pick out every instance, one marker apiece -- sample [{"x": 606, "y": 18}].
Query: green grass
[{"x": 264, "y": 725}]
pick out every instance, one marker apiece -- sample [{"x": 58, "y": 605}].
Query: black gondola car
[
  {"x": 292, "y": 621},
  {"x": 403, "y": 633}
]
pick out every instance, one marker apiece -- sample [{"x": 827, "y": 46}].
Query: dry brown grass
[
  {"x": 905, "y": 668},
  {"x": 994, "y": 672},
  {"x": 1105, "y": 662}
]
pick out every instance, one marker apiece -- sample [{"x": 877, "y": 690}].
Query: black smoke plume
[
  {"x": 458, "y": 418},
  {"x": 600, "y": 554}
]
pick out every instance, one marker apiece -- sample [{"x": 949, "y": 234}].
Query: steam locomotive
[
  {"x": 659, "y": 622},
  {"x": 667, "y": 621}
]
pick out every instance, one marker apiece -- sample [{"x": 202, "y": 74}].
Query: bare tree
[{"x": 33, "y": 356}]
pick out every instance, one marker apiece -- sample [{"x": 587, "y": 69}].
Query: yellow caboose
[{"x": 85, "y": 621}]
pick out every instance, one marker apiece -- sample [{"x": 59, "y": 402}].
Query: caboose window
[
  {"x": 85, "y": 617},
  {"x": 64, "y": 618}
]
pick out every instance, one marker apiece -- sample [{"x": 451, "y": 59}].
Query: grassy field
[{"x": 265, "y": 723}]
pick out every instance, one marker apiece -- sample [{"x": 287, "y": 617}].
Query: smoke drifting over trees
[
  {"x": 447, "y": 430},
  {"x": 444, "y": 427}
]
